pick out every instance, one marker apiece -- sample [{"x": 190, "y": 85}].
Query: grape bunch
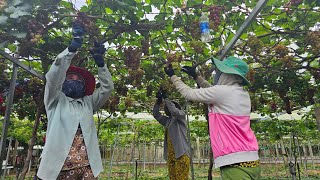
[
  {"x": 34, "y": 35},
  {"x": 34, "y": 86},
  {"x": 88, "y": 24},
  {"x": 149, "y": 90},
  {"x": 112, "y": 104},
  {"x": 2, "y": 105},
  {"x": 281, "y": 50},
  {"x": 43, "y": 16},
  {"x": 214, "y": 15},
  {"x": 145, "y": 45},
  {"x": 273, "y": 106},
  {"x": 198, "y": 46},
  {"x": 295, "y": 2},
  {"x": 205, "y": 71},
  {"x": 35, "y": 30},
  {"x": 121, "y": 89},
  {"x": 287, "y": 61},
  {"x": 313, "y": 39},
  {"x": 310, "y": 94},
  {"x": 255, "y": 45},
  {"x": 251, "y": 75},
  {"x": 316, "y": 74},
  {"x": 174, "y": 57},
  {"x": 132, "y": 60},
  {"x": 129, "y": 102},
  {"x": 193, "y": 29},
  {"x": 135, "y": 75}
]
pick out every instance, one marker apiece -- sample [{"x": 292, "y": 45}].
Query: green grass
[{"x": 160, "y": 172}]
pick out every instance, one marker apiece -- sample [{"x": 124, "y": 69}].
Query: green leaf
[
  {"x": 147, "y": 8},
  {"x": 12, "y": 47},
  {"x": 65, "y": 4},
  {"x": 169, "y": 28},
  {"x": 108, "y": 10}
]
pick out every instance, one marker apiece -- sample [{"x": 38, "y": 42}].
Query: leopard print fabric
[
  {"x": 247, "y": 164},
  {"x": 178, "y": 168}
]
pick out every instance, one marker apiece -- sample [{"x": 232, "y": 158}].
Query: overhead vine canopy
[{"x": 141, "y": 36}]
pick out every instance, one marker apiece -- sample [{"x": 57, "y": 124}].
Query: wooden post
[
  {"x": 317, "y": 114},
  {"x": 283, "y": 152},
  {"x": 15, "y": 152},
  {"x": 7, "y": 159},
  {"x": 155, "y": 156},
  {"x": 311, "y": 154},
  {"x": 304, "y": 156},
  {"x": 6, "y": 121},
  {"x": 198, "y": 151},
  {"x": 144, "y": 155}
]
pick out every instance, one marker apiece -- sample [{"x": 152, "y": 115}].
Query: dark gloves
[
  {"x": 191, "y": 71},
  {"x": 168, "y": 70},
  {"x": 159, "y": 97},
  {"x": 77, "y": 33},
  {"x": 98, "y": 53},
  {"x": 164, "y": 93},
  {"x": 161, "y": 94}
]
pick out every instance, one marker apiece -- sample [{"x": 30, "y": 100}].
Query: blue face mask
[
  {"x": 217, "y": 76},
  {"x": 73, "y": 88}
]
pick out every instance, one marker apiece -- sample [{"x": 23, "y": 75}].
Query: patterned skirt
[{"x": 76, "y": 165}]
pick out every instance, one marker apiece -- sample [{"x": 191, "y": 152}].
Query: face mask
[
  {"x": 73, "y": 88},
  {"x": 217, "y": 76}
]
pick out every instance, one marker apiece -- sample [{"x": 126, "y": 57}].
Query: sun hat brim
[
  {"x": 89, "y": 79},
  {"x": 229, "y": 70}
]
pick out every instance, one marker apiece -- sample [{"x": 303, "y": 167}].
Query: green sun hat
[{"x": 233, "y": 65}]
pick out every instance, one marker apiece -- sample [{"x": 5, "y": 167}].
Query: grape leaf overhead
[{"x": 141, "y": 36}]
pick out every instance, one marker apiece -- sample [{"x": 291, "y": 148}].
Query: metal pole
[
  {"x": 243, "y": 27},
  {"x": 191, "y": 152},
  {"x": 6, "y": 121},
  {"x": 114, "y": 146},
  {"x": 260, "y": 5},
  {"x": 7, "y": 159},
  {"x": 23, "y": 66}
]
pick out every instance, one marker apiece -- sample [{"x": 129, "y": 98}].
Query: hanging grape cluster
[
  {"x": 193, "y": 29},
  {"x": 281, "y": 50},
  {"x": 313, "y": 39},
  {"x": 205, "y": 71},
  {"x": 197, "y": 46},
  {"x": 34, "y": 34},
  {"x": 121, "y": 89},
  {"x": 112, "y": 104},
  {"x": 288, "y": 6},
  {"x": 251, "y": 75},
  {"x": 255, "y": 45},
  {"x": 295, "y": 2},
  {"x": 215, "y": 16},
  {"x": 135, "y": 77},
  {"x": 174, "y": 57},
  {"x": 88, "y": 24},
  {"x": 132, "y": 56},
  {"x": 2, "y": 105},
  {"x": 287, "y": 61}
]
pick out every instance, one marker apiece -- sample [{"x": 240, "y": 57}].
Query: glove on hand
[
  {"x": 169, "y": 71},
  {"x": 164, "y": 93},
  {"x": 191, "y": 71},
  {"x": 159, "y": 97},
  {"x": 98, "y": 53},
  {"x": 77, "y": 32}
]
